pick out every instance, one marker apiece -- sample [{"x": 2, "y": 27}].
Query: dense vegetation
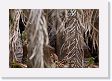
[{"x": 53, "y": 38}]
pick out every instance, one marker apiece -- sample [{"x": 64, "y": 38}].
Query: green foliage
[
  {"x": 15, "y": 65},
  {"x": 24, "y": 36},
  {"x": 90, "y": 60}
]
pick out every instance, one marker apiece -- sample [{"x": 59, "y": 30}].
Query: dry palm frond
[
  {"x": 15, "y": 42},
  {"x": 37, "y": 38},
  {"x": 56, "y": 33}
]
